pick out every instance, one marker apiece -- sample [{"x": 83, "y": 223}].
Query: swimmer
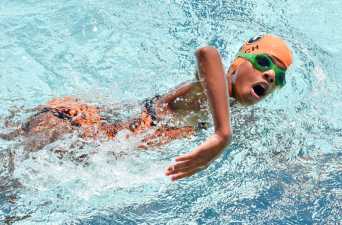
[{"x": 257, "y": 71}]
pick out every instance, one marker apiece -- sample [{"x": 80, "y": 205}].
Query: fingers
[
  {"x": 184, "y": 174},
  {"x": 188, "y": 156},
  {"x": 184, "y": 166},
  {"x": 179, "y": 166},
  {"x": 183, "y": 169}
]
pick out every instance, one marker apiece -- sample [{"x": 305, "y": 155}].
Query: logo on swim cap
[
  {"x": 250, "y": 45},
  {"x": 254, "y": 39}
]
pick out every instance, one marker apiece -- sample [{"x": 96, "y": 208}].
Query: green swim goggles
[{"x": 263, "y": 62}]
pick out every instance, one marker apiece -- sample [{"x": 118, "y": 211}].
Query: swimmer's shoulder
[{"x": 182, "y": 90}]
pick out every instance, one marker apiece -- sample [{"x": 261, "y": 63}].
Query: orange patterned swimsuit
[{"x": 87, "y": 117}]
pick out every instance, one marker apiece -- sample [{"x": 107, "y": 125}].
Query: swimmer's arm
[{"x": 213, "y": 80}]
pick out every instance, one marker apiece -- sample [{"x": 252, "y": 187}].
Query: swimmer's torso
[
  {"x": 184, "y": 106},
  {"x": 174, "y": 115}
]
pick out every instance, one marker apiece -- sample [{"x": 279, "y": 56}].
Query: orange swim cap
[{"x": 267, "y": 44}]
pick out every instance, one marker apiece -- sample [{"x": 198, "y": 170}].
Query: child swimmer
[{"x": 258, "y": 69}]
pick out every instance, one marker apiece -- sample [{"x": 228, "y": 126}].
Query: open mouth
[{"x": 260, "y": 89}]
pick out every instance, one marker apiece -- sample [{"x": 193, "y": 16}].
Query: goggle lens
[
  {"x": 280, "y": 78},
  {"x": 263, "y": 61}
]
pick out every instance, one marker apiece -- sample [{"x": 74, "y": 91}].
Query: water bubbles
[{"x": 283, "y": 164}]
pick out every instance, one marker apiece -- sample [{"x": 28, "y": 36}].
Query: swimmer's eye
[{"x": 263, "y": 61}]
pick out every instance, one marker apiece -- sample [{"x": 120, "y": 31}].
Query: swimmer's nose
[{"x": 269, "y": 76}]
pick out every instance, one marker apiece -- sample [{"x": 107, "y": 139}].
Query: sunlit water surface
[{"x": 283, "y": 167}]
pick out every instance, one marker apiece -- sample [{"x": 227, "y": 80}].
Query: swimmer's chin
[{"x": 245, "y": 101}]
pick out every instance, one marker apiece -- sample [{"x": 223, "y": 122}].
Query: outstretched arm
[{"x": 214, "y": 82}]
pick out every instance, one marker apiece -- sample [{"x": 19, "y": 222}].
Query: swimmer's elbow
[
  {"x": 225, "y": 137},
  {"x": 228, "y": 138}
]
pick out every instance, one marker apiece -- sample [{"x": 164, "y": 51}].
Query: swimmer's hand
[{"x": 199, "y": 159}]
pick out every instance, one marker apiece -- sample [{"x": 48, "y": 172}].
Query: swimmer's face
[{"x": 251, "y": 85}]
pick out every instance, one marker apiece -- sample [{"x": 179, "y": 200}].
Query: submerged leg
[
  {"x": 11, "y": 135},
  {"x": 43, "y": 129}
]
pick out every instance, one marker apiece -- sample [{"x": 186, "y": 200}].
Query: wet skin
[{"x": 213, "y": 89}]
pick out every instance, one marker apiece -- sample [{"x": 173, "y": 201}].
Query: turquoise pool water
[{"x": 283, "y": 167}]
